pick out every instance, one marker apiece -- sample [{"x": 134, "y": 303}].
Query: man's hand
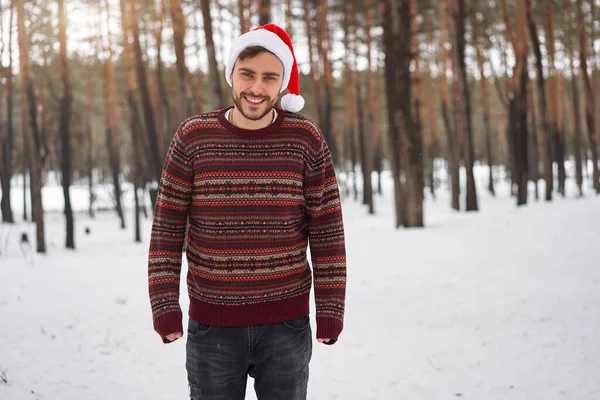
[
  {"x": 323, "y": 340},
  {"x": 174, "y": 336}
]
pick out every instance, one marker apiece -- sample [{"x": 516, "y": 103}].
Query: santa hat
[{"x": 276, "y": 40}]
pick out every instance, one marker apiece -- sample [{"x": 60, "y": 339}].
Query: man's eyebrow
[{"x": 265, "y": 74}]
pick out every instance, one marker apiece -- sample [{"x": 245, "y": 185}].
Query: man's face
[{"x": 256, "y": 82}]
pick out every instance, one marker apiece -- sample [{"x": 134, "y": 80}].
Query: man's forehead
[{"x": 261, "y": 63}]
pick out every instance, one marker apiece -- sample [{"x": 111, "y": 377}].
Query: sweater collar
[{"x": 250, "y": 132}]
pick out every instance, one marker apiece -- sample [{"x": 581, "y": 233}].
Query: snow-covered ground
[{"x": 500, "y": 304}]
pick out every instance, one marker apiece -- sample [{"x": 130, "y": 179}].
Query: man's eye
[{"x": 247, "y": 74}]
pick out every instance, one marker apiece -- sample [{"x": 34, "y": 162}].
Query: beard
[{"x": 270, "y": 104}]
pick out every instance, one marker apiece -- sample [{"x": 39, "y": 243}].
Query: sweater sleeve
[
  {"x": 327, "y": 244},
  {"x": 167, "y": 238}
]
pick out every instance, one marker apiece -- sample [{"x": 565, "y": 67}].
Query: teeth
[{"x": 255, "y": 101}]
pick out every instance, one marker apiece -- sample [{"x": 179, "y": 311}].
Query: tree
[
  {"x": 452, "y": 146},
  {"x": 217, "y": 95},
  {"x": 590, "y": 104},
  {"x": 134, "y": 118},
  {"x": 483, "y": 82},
  {"x": 544, "y": 136},
  {"x": 264, "y": 11},
  {"x": 155, "y": 158},
  {"x": 576, "y": 105},
  {"x": 66, "y": 102},
  {"x": 459, "y": 16},
  {"x": 182, "y": 71},
  {"x": 518, "y": 132},
  {"x": 32, "y": 140},
  {"x": 7, "y": 137},
  {"x": 111, "y": 117},
  {"x": 404, "y": 134}
]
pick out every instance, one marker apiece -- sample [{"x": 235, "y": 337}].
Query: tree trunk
[
  {"x": 264, "y": 11},
  {"x": 459, "y": 21},
  {"x": 155, "y": 158},
  {"x": 555, "y": 121},
  {"x": 165, "y": 119},
  {"x": 134, "y": 119},
  {"x": 64, "y": 128},
  {"x": 217, "y": 96},
  {"x": 373, "y": 137},
  {"x": 590, "y": 104},
  {"x": 544, "y": 136},
  {"x": 576, "y": 105},
  {"x": 8, "y": 144},
  {"x": 453, "y": 161},
  {"x": 520, "y": 135},
  {"x": 400, "y": 106},
  {"x": 315, "y": 93},
  {"x": 534, "y": 174},
  {"x": 182, "y": 71},
  {"x": 243, "y": 11},
  {"x": 324, "y": 46},
  {"x": 112, "y": 120},
  {"x": 391, "y": 31},
  {"x": 486, "y": 108},
  {"x": 32, "y": 135}
]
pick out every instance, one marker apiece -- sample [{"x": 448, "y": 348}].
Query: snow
[{"x": 499, "y": 304}]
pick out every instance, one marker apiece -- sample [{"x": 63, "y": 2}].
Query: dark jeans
[{"x": 219, "y": 360}]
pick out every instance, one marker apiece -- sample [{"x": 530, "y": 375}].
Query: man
[{"x": 248, "y": 188}]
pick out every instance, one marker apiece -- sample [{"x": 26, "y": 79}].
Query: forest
[{"x": 92, "y": 92}]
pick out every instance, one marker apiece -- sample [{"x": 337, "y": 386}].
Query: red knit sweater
[{"x": 252, "y": 201}]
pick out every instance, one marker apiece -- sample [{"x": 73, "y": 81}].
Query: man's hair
[{"x": 252, "y": 51}]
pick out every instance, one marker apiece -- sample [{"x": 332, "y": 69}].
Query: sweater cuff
[
  {"x": 329, "y": 328},
  {"x": 168, "y": 323}
]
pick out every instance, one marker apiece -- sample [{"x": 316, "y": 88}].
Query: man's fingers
[
  {"x": 323, "y": 340},
  {"x": 174, "y": 336}
]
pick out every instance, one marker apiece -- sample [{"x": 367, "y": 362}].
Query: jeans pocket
[
  {"x": 197, "y": 329},
  {"x": 297, "y": 325}
]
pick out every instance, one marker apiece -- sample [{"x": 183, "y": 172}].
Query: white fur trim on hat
[
  {"x": 268, "y": 40},
  {"x": 292, "y": 102}
]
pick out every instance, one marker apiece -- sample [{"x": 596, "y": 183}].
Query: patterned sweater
[{"x": 248, "y": 203}]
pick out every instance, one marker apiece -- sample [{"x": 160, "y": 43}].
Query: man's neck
[{"x": 237, "y": 119}]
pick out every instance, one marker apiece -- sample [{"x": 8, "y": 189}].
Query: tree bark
[
  {"x": 66, "y": 103},
  {"x": 364, "y": 126},
  {"x": 8, "y": 144},
  {"x": 264, "y": 11},
  {"x": 165, "y": 119},
  {"x": 244, "y": 18},
  {"x": 391, "y": 31},
  {"x": 314, "y": 88},
  {"x": 179, "y": 29},
  {"x": 590, "y": 97},
  {"x": 155, "y": 158},
  {"x": 459, "y": 21},
  {"x": 485, "y": 104},
  {"x": 112, "y": 120},
  {"x": 134, "y": 119},
  {"x": 32, "y": 134},
  {"x": 217, "y": 96},
  {"x": 400, "y": 105},
  {"x": 556, "y": 118},
  {"x": 576, "y": 105},
  {"x": 326, "y": 121},
  {"x": 452, "y": 147},
  {"x": 520, "y": 134},
  {"x": 544, "y": 136}
]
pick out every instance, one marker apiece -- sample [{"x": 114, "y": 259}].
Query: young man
[{"x": 248, "y": 188}]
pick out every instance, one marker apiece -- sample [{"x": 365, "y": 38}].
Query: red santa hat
[{"x": 273, "y": 38}]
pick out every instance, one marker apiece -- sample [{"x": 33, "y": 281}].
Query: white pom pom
[{"x": 292, "y": 102}]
